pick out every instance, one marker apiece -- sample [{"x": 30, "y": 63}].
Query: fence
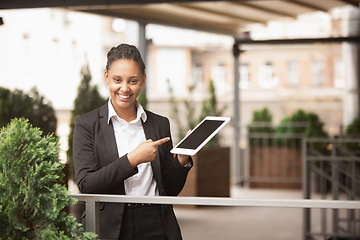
[
  {"x": 331, "y": 161},
  {"x": 93, "y": 202},
  {"x": 331, "y": 170}
]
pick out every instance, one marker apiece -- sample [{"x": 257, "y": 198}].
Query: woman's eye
[
  {"x": 133, "y": 81},
  {"x": 117, "y": 80}
]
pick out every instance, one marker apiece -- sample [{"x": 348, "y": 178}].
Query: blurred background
[{"x": 274, "y": 67}]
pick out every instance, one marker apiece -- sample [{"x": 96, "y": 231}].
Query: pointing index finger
[{"x": 161, "y": 141}]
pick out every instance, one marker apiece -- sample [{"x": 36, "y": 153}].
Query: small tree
[
  {"x": 31, "y": 105},
  {"x": 209, "y": 108},
  {"x": 88, "y": 98},
  {"x": 31, "y": 193}
]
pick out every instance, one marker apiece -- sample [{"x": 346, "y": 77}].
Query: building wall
[{"x": 283, "y": 99}]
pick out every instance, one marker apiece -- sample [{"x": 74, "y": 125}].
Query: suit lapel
[
  {"x": 149, "y": 130},
  {"x": 108, "y": 132}
]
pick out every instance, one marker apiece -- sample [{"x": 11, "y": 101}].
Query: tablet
[{"x": 200, "y": 135}]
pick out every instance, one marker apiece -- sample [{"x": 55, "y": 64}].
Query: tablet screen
[{"x": 200, "y": 134}]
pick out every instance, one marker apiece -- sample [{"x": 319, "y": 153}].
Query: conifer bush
[
  {"x": 88, "y": 98},
  {"x": 31, "y": 191}
]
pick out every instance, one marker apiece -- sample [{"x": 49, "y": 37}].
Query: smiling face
[{"x": 125, "y": 80}]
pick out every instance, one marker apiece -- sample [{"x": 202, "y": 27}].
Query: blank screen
[{"x": 200, "y": 134}]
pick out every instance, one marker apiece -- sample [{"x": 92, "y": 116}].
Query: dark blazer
[{"x": 99, "y": 170}]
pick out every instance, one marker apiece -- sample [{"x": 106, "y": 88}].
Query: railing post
[
  {"x": 237, "y": 134},
  {"x": 335, "y": 188},
  {"x": 92, "y": 216},
  {"x": 306, "y": 189}
]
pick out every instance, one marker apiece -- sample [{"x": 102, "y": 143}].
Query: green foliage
[
  {"x": 31, "y": 194},
  {"x": 209, "y": 108},
  {"x": 312, "y": 128},
  {"x": 88, "y": 98},
  {"x": 262, "y": 117},
  {"x": 315, "y": 127},
  {"x": 261, "y": 123},
  {"x": 286, "y": 125},
  {"x": 29, "y": 105},
  {"x": 301, "y": 122},
  {"x": 353, "y": 131}
]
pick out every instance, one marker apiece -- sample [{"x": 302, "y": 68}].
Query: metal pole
[
  {"x": 335, "y": 188},
  {"x": 236, "y": 161},
  {"x": 142, "y": 39},
  {"x": 92, "y": 216},
  {"x": 306, "y": 189},
  {"x": 143, "y": 51}
]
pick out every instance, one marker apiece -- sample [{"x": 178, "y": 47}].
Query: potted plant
[
  {"x": 210, "y": 176},
  {"x": 32, "y": 196},
  {"x": 278, "y": 156}
]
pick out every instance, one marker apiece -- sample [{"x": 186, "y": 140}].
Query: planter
[
  {"x": 210, "y": 175},
  {"x": 275, "y": 167}
]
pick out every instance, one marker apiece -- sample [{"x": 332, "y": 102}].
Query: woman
[{"x": 120, "y": 148}]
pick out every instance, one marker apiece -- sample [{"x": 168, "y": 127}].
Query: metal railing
[
  {"x": 92, "y": 202},
  {"x": 332, "y": 166}
]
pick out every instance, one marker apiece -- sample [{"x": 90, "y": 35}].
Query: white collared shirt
[{"x": 128, "y": 136}]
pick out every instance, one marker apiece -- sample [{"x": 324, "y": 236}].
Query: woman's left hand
[{"x": 183, "y": 159}]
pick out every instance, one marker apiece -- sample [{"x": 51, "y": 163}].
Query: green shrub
[
  {"x": 261, "y": 123},
  {"x": 31, "y": 194},
  {"x": 312, "y": 129},
  {"x": 300, "y": 122},
  {"x": 261, "y": 117},
  {"x": 31, "y": 105},
  {"x": 353, "y": 131}
]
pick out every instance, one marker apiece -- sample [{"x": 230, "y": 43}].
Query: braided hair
[{"x": 125, "y": 51}]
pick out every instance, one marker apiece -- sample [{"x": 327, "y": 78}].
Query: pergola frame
[
  {"x": 99, "y": 7},
  {"x": 236, "y": 53}
]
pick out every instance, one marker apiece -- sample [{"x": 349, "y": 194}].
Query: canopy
[{"x": 223, "y": 17}]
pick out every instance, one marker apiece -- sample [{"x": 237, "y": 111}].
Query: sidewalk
[{"x": 245, "y": 223}]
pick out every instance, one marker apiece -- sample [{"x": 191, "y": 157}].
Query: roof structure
[{"x": 223, "y": 17}]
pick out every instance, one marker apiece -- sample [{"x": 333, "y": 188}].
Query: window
[
  {"x": 219, "y": 73},
  {"x": 244, "y": 76},
  {"x": 198, "y": 73},
  {"x": 267, "y": 77},
  {"x": 293, "y": 73},
  {"x": 318, "y": 75},
  {"x": 339, "y": 81}
]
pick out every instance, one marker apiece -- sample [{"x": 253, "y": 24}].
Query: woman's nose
[{"x": 124, "y": 86}]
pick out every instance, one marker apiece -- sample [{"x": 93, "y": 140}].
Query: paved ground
[{"x": 245, "y": 223}]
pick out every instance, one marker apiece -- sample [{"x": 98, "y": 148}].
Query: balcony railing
[{"x": 92, "y": 202}]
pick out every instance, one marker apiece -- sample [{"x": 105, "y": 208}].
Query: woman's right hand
[{"x": 145, "y": 152}]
